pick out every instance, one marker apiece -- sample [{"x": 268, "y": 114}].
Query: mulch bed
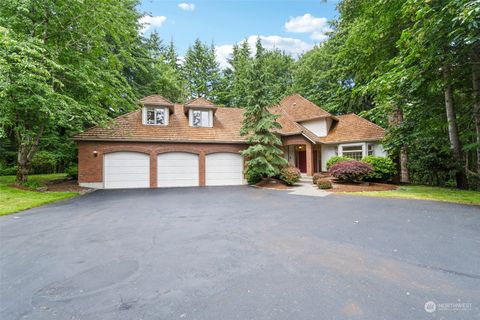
[
  {"x": 272, "y": 184},
  {"x": 360, "y": 187},
  {"x": 56, "y": 186}
]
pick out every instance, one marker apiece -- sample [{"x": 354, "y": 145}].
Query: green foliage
[
  {"x": 336, "y": 159},
  {"x": 290, "y": 175},
  {"x": 31, "y": 185},
  {"x": 324, "y": 184},
  {"x": 265, "y": 158},
  {"x": 8, "y": 171},
  {"x": 44, "y": 162},
  {"x": 72, "y": 172},
  {"x": 383, "y": 168},
  {"x": 201, "y": 71}
]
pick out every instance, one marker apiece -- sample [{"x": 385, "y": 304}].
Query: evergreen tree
[
  {"x": 201, "y": 71},
  {"x": 265, "y": 158}
]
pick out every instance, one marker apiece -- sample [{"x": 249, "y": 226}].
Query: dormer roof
[
  {"x": 200, "y": 103},
  {"x": 155, "y": 100}
]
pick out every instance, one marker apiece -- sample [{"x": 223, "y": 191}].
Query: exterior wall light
[{"x": 95, "y": 153}]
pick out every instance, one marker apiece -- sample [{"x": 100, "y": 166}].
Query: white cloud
[
  {"x": 291, "y": 46},
  {"x": 186, "y": 6},
  {"x": 148, "y": 22},
  {"x": 317, "y": 27}
]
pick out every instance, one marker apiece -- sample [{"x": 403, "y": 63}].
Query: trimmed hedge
[
  {"x": 290, "y": 175},
  {"x": 351, "y": 170},
  {"x": 324, "y": 184}
]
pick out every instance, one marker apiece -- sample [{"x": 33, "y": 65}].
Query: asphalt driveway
[{"x": 239, "y": 253}]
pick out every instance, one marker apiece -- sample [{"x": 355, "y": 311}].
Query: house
[{"x": 198, "y": 144}]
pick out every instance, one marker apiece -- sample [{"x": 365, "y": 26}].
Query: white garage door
[
  {"x": 177, "y": 169},
  {"x": 223, "y": 169},
  {"x": 126, "y": 170}
]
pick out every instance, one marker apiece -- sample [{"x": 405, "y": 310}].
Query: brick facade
[{"x": 90, "y": 166}]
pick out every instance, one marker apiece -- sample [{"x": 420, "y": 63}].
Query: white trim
[
  {"x": 166, "y": 110},
  {"x": 190, "y": 117}
]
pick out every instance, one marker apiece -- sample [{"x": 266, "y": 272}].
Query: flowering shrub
[
  {"x": 336, "y": 159},
  {"x": 351, "y": 170},
  {"x": 383, "y": 168},
  {"x": 324, "y": 184},
  {"x": 290, "y": 175}
]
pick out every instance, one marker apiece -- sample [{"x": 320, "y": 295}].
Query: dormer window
[
  {"x": 156, "y": 115},
  {"x": 200, "y": 118}
]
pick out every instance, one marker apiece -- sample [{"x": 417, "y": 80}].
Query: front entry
[{"x": 302, "y": 161}]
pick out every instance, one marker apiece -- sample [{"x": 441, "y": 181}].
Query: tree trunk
[
  {"x": 396, "y": 119},
  {"x": 26, "y": 150},
  {"x": 455, "y": 145},
  {"x": 476, "y": 98}
]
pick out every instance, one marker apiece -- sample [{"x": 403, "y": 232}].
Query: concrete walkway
[{"x": 305, "y": 187}]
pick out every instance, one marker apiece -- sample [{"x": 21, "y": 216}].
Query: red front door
[{"x": 302, "y": 161}]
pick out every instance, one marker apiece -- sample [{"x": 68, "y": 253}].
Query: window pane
[
  {"x": 353, "y": 155},
  {"x": 197, "y": 118},
  {"x": 205, "y": 120},
  {"x": 353, "y": 148},
  {"x": 160, "y": 116},
  {"x": 150, "y": 116}
]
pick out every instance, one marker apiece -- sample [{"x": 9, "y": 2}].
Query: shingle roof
[
  {"x": 228, "y": 122},
  {"x": 350, "y": 128},
  {"x": 301, "y": 109},
  {"x": 156, "y": 99},
  {"x": 226, "y": 128}
]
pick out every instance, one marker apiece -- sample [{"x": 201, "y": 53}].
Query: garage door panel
[
  {"x": 177, "y": 169},
  {"x": 126, "y": 170},
  {"x": 223, "y": 169}
]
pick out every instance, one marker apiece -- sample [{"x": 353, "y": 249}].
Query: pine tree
[
  {"x": 265, "y": 158},
  {"x": 201, "y": 71}
]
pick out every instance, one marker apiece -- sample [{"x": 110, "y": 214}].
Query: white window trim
[
  {"x": 210, "y": 118},
  {"x": 363, "y": 145},
  {"x": 167, "y": 116}
]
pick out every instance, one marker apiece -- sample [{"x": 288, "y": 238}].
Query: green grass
[
  {"x": 13, "y": 200},
  {"x": 428, "y": 193}
]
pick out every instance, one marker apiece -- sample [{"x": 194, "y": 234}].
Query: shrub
[
  {"x": 324, "y": 184},
  {"x": 253, "y": 177},
  {"x": 44, "y": 162},
  {"x": 336, "y": 159},
  {"x": 351, "y": 170},
  {"x": 72, "y": 172},
  {"x": 383, "y": 168},
  {"x": 31, "y": 184},
  {"x": 315, "y": 177},
  {"x": 8, "y": 171},
  {"x": 290, "y": 175}
]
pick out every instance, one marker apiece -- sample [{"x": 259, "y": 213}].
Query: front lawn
[
  {"x": 13, "y": 199},
  {"x": 428, "y": 193}
]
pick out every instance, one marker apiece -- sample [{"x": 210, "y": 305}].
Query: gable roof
[
  {"x": 301, "y": 109},
  {"x": 227, "y": 123},
  {"x": 129, "y": 127},
  {"x": 156, "y": 100},
  {"x": 351, "y": 128}
]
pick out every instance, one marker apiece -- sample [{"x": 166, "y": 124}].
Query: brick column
[
  {"x": 153, "y": 169},
  {"x": 309, "y": 155},
  {"x": 201, "y": 168}
]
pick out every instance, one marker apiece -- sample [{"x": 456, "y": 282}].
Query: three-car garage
[{"x": 126, "y": 169}]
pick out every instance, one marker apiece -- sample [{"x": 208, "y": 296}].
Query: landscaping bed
[
  {"x": 272, "y": 184},
  {"x": 361, "y": 187}
]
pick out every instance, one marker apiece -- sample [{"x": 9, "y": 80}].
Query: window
[
  {"x": 200, "y": 118},
  {"x": 156, "y": 116},
  {"x": 370, "y": 149},
  {"x": 353, "y": 152}
]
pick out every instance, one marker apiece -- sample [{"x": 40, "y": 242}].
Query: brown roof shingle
[
  {"x": 228, "y": 122},
  {"x": 301, "y": 109},
  {"x": 351, "y": 128},
  {"x": 226, "y": 128}
]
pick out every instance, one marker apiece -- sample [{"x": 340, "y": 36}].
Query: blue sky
[{"x": 293, "y": 26}]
